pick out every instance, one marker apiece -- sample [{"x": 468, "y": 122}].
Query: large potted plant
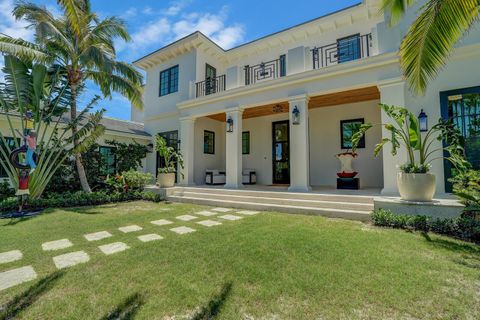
[
  {"x": 414, "y": 181},
  {"x": 171, "y": 158}
]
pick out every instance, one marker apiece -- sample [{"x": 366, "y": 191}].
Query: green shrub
[
  {"x": 466, "y": 185},
  {"x": 464, "y": 227},
  {"x": 137, "y": 180},
  {"x": 6, "y": 190},
  {"x": 80, "y": 198}
]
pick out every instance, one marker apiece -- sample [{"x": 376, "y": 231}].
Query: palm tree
[
  {"x": 440, "y": 24},
  {"x": 83, "y": 46}
]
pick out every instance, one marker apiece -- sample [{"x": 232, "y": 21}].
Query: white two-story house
[{"x": 279, "y": 105}]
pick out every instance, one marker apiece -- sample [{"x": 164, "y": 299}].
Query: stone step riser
[
  {"x": 281, "y": 195},
  {"x": 279, "y": 201},
  {"x": 327, "y": 212}
]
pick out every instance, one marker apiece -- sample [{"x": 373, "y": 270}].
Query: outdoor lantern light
[
  {"x": 295, "y": 115},
  {"x": 423, "y": 121},
  {"x": 150, "y": 147},
  {"x": 229, "y": 124}
]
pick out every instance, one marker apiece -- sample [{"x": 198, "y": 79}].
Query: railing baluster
[{"x": 210, "y": 86}]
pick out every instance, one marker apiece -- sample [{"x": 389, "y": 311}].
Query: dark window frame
[
  {"x": 357, "y": 54},
  {"x": 103, "y": 169},
  {"x": 206, "y": 148},
  {"x": 169, "y": 79},
  {"x": 247, "y": 151},
  {"x": 171, "y": 142},
  {"x": 361, "y": 143}
]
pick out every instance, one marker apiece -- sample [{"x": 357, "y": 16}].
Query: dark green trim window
[
  {"x": 109, "y": 160},
  {"x": 11, "y": 144},
  {"x": 208, "y": 142},
  {"x": 169, "y": 81},
  {"x": 283, "y": 65},
  {"x": 246, "y": 142}
]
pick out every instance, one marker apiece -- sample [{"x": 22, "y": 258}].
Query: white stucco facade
[{"x": 324, "y": 92}]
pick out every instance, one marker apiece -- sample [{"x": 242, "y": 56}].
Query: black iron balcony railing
[
  {"x": 210, "y": 86},
  {"x": 344, "y": 50},
  {"x": 266, "y": 70}
]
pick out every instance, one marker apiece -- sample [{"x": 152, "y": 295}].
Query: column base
[
  {"x": 234, "y": 186},
  {"x": 299, "y": 189},
  {"x": 392, "y": 191}
]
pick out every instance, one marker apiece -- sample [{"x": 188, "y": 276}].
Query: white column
[
  {"x": 299, "y": 146},
  {"x": 187, "y": 142},
  {"x": 392, "y": 92},
  {"x": 233, "y": 154}
]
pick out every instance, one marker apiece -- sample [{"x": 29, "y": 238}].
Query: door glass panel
[{"x": 281, "y": 166}]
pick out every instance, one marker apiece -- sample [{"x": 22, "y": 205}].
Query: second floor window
[
  {"x": 169, "y": 81},
  {"x": 348, "y": 48}
]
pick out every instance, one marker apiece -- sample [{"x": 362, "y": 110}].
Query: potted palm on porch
[
  {"x": 171, "y": 159},
  {"x": 414, "y": 181}
]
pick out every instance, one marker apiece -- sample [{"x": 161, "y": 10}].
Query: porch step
[{"x": 334, "y": 206}]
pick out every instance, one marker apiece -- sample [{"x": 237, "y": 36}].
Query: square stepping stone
[
  {"x": 222, "y": 209},
  {"x": 10, "y": 256},
  {"x": 209, "y": 223},
  {"x": 112, "y": 248},
  {"x": 186, "y": 217},
  {"x": 182, "y": 230},
  {"x": 206, "y": 213},
  {"x": 17, "y": 276},
  {"x": 56, "y": 245},
  {"x": 70, "y": 259},
  {"x": 248, "y": 212},
  {"x": 230, "y": 217},
  {"x": 97, "y": 236},
  {"x": 131, "y": 228},
  {"x": 161, "y": 222},
  {"x": 150, "y": 237}
]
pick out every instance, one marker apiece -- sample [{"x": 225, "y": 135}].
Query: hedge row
[
  {"x": 463, "y": 227},
  {"x": 80, "y": 198}
]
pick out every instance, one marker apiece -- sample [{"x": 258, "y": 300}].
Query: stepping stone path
[
  {"x": 248, "y": 212},
  {"x": 70, "y": 259},
  {"x": 112, "y": 248},
  {"x": 150, "y": 237},
  {"x": 230, "y": 217},
  {"x": 222, "y": 209},
  {"x": 97, "y": 236},
  {"x": 56, "y": 245},
  {"x": 182, "y": 230},
  {"x": 186, "y": 217},
  {"x": 17, "y": 276},
  {"x": 131, "y": 228},
  {"x": 10, "y": 256},
  {"x": 161, "y": 222},
  {"x": 209, "y": 223},
  {"x": 206, "y": 213}
]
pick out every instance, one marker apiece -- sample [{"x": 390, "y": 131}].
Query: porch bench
[
  {"x": 215, "y": 177},
  {"x": 249, "y": 176}
]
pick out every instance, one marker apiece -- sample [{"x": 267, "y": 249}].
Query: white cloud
[
  {"x": 8, "y": 24},
  {"x": 176, "y": 7}
]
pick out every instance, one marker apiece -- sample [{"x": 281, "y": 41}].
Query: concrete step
[
  {"x": 359, "y": 215},
  {"x": 240, "y": 197},
  {"x": 276, "y": 194}
]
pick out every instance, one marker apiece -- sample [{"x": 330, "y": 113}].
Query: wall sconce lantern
[
  {"x": 423, "y": 121},
  {"x": 229, "y": 124},
  {"x": 295, "y": 116},
  {"x": 150, "y": 147}
]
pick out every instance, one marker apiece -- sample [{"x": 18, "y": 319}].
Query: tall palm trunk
[{"x": 78, "y": 156}]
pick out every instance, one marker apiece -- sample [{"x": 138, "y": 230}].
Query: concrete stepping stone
[
  {"x": 230, "y": 217},
  {"x": 70, "y": 259},
  {"x": 186, "y": 217},
  {"x": 248, "y": 212},
  {"x": 97, "y": 235},
  {"x": 222, "y": 209},
  {"x": 161, "y": 222},
  {"x": 131, "y": 228},
  {"x": 56, "y": 245},
  {"x": 17, "y": 276},
  {"x": 112, "y": 248},
  {"x": 149, "y": 237},
  {"x": 182, "y": 230},
  {"x": 10, "y": 256},
  {"x": 206, "y": 213},
  {"x": 209, "y": 223}
]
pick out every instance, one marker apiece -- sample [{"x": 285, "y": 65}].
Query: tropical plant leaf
[
  {"x": 396, "y": 8},
  {"x": 22, "y": 49}
]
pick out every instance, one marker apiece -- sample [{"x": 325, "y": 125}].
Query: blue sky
[{"x": 154, "y": 23}]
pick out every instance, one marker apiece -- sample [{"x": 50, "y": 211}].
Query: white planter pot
[
  {"x": 416, "y": 186},
  {"x": 166, "y": 180}
]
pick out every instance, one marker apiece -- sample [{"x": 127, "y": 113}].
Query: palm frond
[
  {"x": 396, "y": 9},
  {"x": 22, "y": 49},
  {"x": 74, "y": 11},
  {"x": 432, "y": 36}
]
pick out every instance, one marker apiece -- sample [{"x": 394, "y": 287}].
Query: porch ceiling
[{"x": 325, "y": 100}]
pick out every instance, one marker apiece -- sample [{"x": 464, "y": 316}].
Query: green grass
[{"x": 268, "y": 266}]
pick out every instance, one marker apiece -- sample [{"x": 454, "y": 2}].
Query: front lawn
[{"x": 265, "y": 266}]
